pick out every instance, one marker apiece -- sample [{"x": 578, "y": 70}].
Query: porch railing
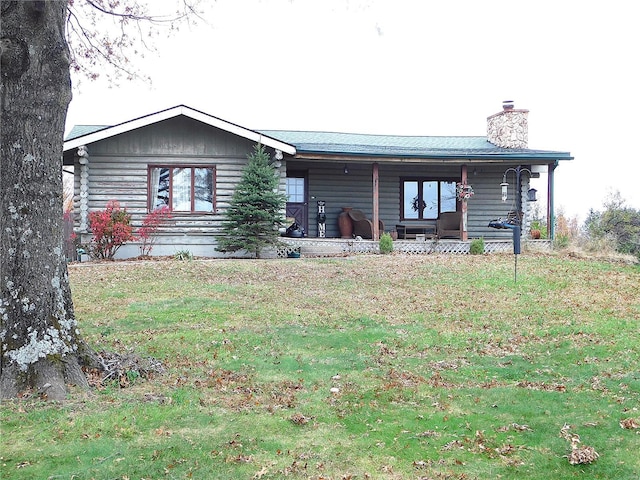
[{"x": 320, "y": 247}]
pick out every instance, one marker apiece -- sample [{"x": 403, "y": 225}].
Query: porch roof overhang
[{"x": 531, "y": 157}]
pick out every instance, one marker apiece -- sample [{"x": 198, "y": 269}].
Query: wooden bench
[{"x": 411, "y": 230}]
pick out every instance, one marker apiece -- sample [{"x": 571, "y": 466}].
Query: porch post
[
  {"x": 83, "y": 160},
  {"x": 551, "y": 217},
  {"x": 463, "y": 179},
  {"x": 376, "y": 201}
]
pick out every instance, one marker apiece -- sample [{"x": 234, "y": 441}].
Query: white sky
[{"x": 410, "y": 67}]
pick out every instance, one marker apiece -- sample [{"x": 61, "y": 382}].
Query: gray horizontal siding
[
  {"x": 486, "y": 204},
  {"x": 118, "y": 170},
  {"x": 328, "y": 182}
]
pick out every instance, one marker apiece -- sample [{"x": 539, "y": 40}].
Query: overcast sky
[{"x": 409, "y": 67}]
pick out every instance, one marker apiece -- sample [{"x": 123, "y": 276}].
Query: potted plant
[{"x": 535, "y": 230}]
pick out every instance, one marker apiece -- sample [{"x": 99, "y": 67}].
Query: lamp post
[
  {"x": 515, "y": 226},
  {"x": 515, "y": 229}
]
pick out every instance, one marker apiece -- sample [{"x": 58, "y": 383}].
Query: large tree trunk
[{"x": 41, "y": 347}]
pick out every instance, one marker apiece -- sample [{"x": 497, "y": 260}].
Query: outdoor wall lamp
[{"x": 346, "y": 169}]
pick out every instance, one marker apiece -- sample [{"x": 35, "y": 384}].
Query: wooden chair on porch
[
  {"x": 449, "y": 225},
  {"x": 362, "y": 226}
]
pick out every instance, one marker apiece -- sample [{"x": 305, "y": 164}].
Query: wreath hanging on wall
[
  {"x": 464, "y": 192},
  {"x": 417, "y": 205}
]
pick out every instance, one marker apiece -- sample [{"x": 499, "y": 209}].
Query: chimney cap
[{"x": 507, "y": 104}]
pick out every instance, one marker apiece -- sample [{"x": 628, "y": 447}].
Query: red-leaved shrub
[
  {"x": 111, "y": 228},
  {"x": 150, "y": 224}
]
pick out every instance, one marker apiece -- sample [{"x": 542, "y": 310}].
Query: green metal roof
[
  {"x": 334, "y": 143},
  {"x": 381, "y": 146},
  {"x": 81, "y": 130}
]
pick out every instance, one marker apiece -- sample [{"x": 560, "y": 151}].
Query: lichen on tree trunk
[{"x": 41, "y": 346}]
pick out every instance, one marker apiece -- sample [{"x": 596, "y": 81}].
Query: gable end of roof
[{"x": 87, "y": 134}]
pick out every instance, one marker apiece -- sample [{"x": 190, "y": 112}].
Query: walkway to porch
[{"x": 325, "y": 247}]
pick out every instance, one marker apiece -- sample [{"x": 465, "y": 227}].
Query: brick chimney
[{"x": 509, "y": 128}]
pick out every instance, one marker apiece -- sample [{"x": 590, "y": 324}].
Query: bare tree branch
[{"x": 107, "y": 32}]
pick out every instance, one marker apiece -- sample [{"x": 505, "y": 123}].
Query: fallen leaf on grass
[
  {"x": 506, "y": 449},
  {"x": 299, "y": 419},
  {"x": 241, "y": 459},
  {"x": 553, "y": 387},
  {"x": 520, "y": 428},
  {"x": 581, "y": 455},
  {"x": 261, "y": 473},
  {"x": 629, "y": 423},
  {"x": 453, "y": 444},
  {"x": 516, "y": 426}
]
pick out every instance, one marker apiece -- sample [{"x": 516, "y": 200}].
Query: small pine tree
[{"x": 256, "y": 208}]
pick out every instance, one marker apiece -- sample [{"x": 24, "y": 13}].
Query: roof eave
[{"x": 471, "y": 157}]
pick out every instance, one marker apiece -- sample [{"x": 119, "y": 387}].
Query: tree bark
[{"x": 41, "y": 346}]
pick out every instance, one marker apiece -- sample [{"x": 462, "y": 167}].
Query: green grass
[{"x": 445, "y": 368}]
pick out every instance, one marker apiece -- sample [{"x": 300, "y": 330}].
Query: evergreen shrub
[
  {"x": 477, "y": 246},
  {"x": 386, "y": 243}
]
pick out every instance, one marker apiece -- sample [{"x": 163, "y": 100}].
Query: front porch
[{"x": 327, "y": 247}]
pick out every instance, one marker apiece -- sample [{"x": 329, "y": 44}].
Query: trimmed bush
[
  {"x": 386, "y": 243},
  {"x": 477, "y": 246}
]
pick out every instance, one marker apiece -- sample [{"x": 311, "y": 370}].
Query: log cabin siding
[{"x": 119, "y": 166}]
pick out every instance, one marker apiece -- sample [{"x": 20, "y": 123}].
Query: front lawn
[{"x": 381, "y": 366}]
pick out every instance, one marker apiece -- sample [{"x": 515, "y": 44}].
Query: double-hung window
[
  {"x": 189, "y": 189},
  {"x": 426, "y": 199}
]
